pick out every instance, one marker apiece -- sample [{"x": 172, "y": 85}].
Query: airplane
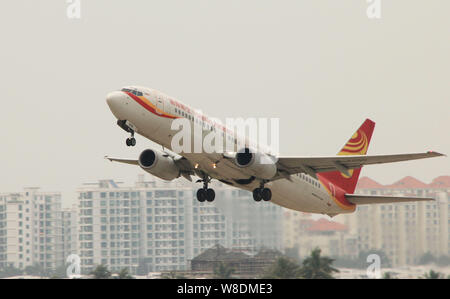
[{"x": 323, "y": 185}]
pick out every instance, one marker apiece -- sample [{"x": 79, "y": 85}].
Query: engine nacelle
[
  {"x": 158, "y": 164},
  {"x": 256, "y": 164}
]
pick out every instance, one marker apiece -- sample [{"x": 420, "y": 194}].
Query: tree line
[{"x": 315, "y": 266}]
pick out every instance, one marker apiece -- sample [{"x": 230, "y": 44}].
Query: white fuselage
[{"x": 301, "y": 192}]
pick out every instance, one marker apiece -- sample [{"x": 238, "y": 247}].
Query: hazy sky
[{"x": 321, "y": 66}]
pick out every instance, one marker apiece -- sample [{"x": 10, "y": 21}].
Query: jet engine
[
  {"x": 159, "y": 164},
  {"x": 256, "y": 164}
]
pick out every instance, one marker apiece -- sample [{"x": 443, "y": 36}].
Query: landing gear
[
  {"x": 205, "y": 193},
  {"x": 266, "y": 194},
  {"x": 210, "y": 194},
  {"x": 257, "y": 194},
  {"x": 128, "y": 127},
  {"x": 262, "y": 193},
  {"x": 131, "y": 141}
]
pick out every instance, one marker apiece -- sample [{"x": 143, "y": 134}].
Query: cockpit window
[{"x": 135, "y": 92}]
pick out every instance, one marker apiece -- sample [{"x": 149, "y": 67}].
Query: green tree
[
  {"x": 293, "y": 253},
  {"x": 388, "y": 275},
  {"x": 283, "y": 268},
  {"x": 317, "y": 267},
  {"x": 101, "y": 272},
  {"x": 124, "y": 274},
  {"x": 433, "y": 275},
  {"x": 443, "y": 260},
  {"x": 10, "y": 271},
  {"x": 172, "y": 275},
  {"x": 35, "y": 270},
  {"x": 60, "y": 272},
  {"x": 426, "y": 258},
  {"x": 223, "y": 271}
]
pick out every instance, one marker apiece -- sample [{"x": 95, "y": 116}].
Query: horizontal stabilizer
[{"x": 380, "y": 199}]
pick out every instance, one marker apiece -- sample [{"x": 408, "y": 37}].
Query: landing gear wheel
[
  {"x": 205, "y": 193},
  {"x": 210, "y": 195},
  {"x": 201, "y": 195},
  {"x": 266, "y": 194},
  {"x": 131, "y": 141},
  {"x": 257, "y": 194}
]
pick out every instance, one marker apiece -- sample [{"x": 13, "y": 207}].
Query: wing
[
  {"x": 120, "y": 160},
  {"x": 186, "y": 168},
  {"x": 313, "y": 165},
  {"x": 373, "y": 199}
]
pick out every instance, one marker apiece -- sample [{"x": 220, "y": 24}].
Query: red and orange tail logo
[{"x": 357, "y": 145}]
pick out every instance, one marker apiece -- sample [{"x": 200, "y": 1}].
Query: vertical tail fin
[{"x": 357, "y": 145}]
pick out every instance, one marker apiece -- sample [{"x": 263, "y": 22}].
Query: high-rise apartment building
[
  {"x": 70, "y": 230},
  {"x": 160, "y": 226},
  {"x": 403, "y": 231},
  {"x": 31, "y": 230}
]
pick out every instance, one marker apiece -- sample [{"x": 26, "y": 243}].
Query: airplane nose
[{"x": 113, "y": 98}]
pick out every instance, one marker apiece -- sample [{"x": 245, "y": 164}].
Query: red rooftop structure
[
  {"x": 409, "y": 182},
  {"x": 324, "y": 225}
]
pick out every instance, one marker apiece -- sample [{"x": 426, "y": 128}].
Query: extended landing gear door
[{"x": 131, "y": 126}]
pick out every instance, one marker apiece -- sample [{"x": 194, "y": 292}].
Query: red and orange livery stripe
[
  {"x": 337, "y": 194},
  {"x": 144, "y": 102}
]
